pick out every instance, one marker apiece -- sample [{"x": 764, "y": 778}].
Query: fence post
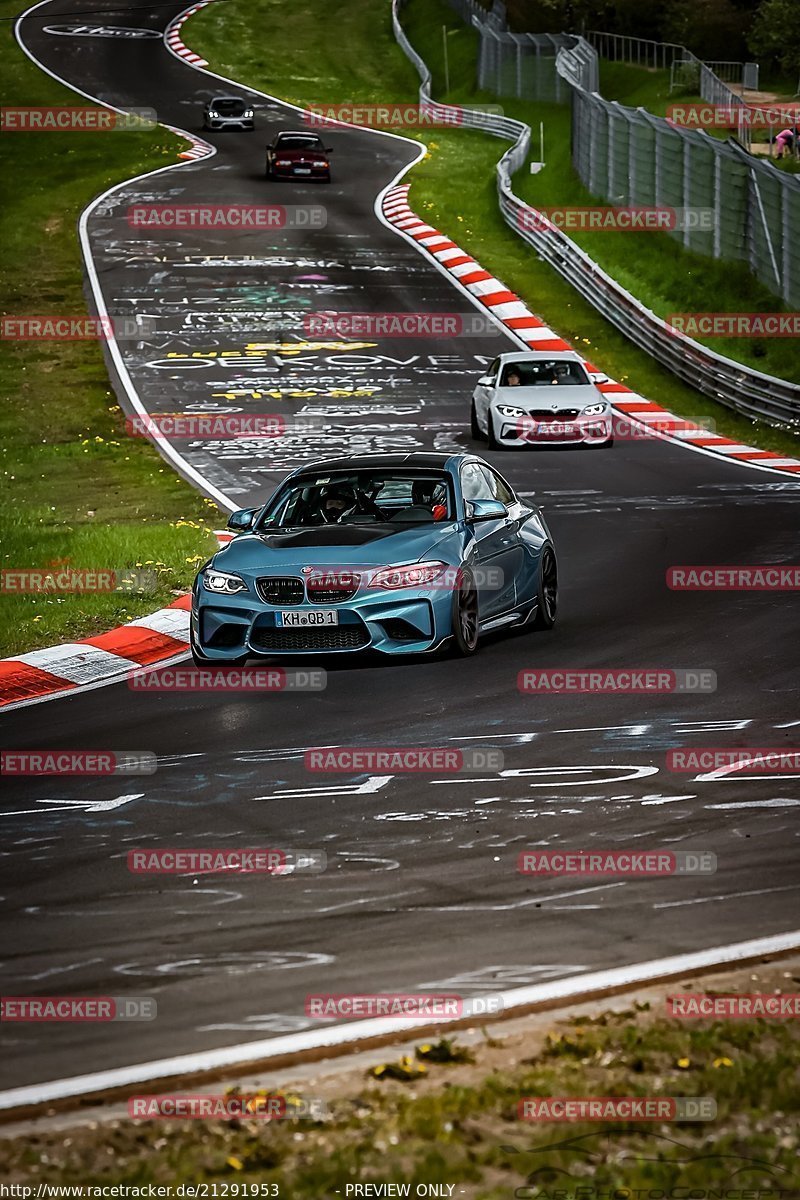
[
  {"x": 763, "y": 215},
  {"x": 687, "y": 191},
  {"x": 718, "y": 205}
]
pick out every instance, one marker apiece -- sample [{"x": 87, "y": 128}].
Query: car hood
[
  {"x": 555, "y": 398},
  {"x": 334, "y": 546}
]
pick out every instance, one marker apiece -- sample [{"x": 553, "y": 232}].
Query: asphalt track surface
[{"x": 421, "y": 891}]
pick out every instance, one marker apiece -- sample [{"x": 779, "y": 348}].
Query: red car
[{"x": 298, "y": 155}]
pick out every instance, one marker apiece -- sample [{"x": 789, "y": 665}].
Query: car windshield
[
  {"x": 299, "y": 141},
  {"x": 546, "y": 372},
  {"x": 361, "y": 498},
  {"x": 230, "y": 105}
]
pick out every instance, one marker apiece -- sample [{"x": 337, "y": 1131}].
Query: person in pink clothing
[{"x": 785, "y": 141}]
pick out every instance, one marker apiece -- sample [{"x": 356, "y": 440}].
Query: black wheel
[
  {"x": 491, "y": 438},
  {"x": 474, "y": 427},
  {"x": 547, "y": 591},
  {"x": 465, "y": 617}
]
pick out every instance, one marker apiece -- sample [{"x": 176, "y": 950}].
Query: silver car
[
  {"x": 541, "y": 399},
  {"x": 228, "y": 112}
]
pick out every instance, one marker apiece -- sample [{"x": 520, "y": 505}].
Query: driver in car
[
  {"x": 337, "y": 501},
  {"x": 432, "y": 495}
]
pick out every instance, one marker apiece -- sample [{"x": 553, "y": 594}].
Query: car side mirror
[
  {"x": 242, "y": 519},
  {"x": 486, "y": 510},
  {"x": 486, "y": 380},
  {"x": 598, "y": 377},
  {"x": 329, "y": 149}
]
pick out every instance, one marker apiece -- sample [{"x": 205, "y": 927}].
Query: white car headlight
[
  {"x": 593, "y": 409},
  {"x": 319, "y": 162},
  {"x": 248, "y": 112},
  {"x": 223, "y": 583},
  {"x": 283, "y": 162},
  {"x": 213, "y": 114},
  {"x": 408, "y": 575},
  {"x": 509, "y": 410}
]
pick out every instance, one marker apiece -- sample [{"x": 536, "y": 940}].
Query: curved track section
[{"x": 421, "y": 890}]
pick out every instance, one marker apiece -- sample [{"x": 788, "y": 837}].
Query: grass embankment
[
  {"x": 77, "y": 488},
  {"x": 454, "y": 187},
  {"x": 455, "y": 1122}
]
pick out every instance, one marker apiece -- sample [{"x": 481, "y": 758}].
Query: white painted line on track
[{"x": 552, "y": 994}]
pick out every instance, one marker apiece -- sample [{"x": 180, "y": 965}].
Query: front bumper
[
  {"x": 241, "y": 123},
  {"x": 405, "y": 621},
  {"x": 528, "y": 431}
]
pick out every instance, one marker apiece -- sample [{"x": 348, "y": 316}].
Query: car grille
[
  {"x": 332, "y": 589},
  {"x": 280, "y": 590},
  {"x": 547, "y": 414},
  {"x": 334, "y": 637}
]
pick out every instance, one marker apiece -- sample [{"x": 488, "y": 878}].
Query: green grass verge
[
  {"x": 76, "y": 487},
  {"x": 454, "y": 1122},
  {"x": 454, "y": 187}
]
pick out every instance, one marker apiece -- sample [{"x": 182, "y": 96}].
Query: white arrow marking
[
  {"x": 89, "y": 806},
  {"x": 373, "y": 784}
]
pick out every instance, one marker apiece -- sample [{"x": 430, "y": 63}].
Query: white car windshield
[{"x": 546, "y": 373}]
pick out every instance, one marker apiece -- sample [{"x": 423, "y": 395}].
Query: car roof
[
  {"x": 360, "y": 462},
  {"x": 522, "y": 356},
  {"x": 296, "y": 133},
  {"x": 226, "y": 96}
]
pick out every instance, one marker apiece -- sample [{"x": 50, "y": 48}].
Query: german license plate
[
  {"x": 319, "y": 616},
  {"x": 302, "y": 170}
]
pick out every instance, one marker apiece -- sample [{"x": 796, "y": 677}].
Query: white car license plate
[
  {"x": 320, "y": 616},
  {"x": 302, "y": 170}
]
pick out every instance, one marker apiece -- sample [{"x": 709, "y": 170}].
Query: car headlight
[
  {"x": 319, "y": 162},
  {"x": 594, "y": 408},
  {"x": 213, "y": 114},
  {"x": 408, "y": 575},
  {"x": 223, "y": 583},
  {"x": 509, "y": 410},
  {"x": 248, "y": 112},
  {"x": 283, "y": 162}
]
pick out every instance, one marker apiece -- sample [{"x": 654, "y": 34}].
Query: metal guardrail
[{"x": 751, "y": 393}]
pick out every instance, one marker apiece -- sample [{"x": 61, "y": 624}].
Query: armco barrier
[{"x": 748, "y": 392}]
